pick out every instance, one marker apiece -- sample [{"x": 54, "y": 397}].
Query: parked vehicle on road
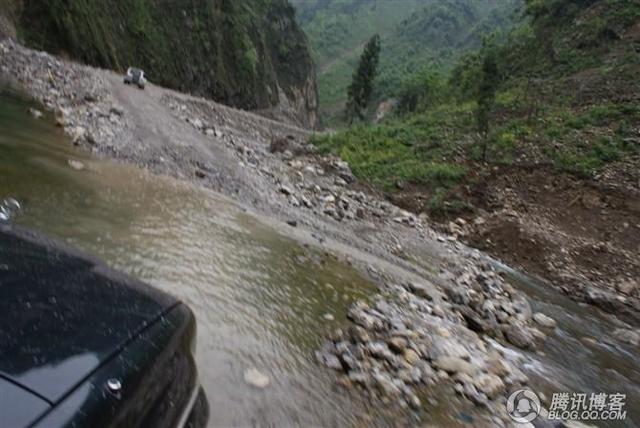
[
  {"x": 85, "y": 346},
  {"x": 135, "y": 76}
]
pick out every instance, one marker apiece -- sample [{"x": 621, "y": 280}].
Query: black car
[{"x": 84, "y": 346}]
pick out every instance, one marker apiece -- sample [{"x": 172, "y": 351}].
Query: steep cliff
[{"x": 246, "y": 53}]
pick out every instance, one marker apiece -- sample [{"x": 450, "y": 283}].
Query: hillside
[
  {"x": 249, "y": 53},
  {"x": 559, "y": 191},
  {"x": 418, "y": 34}
]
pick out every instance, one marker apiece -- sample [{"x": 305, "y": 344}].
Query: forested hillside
[
  {"x": 246, "y": 53},
  {"x": 414, "y": 34}
]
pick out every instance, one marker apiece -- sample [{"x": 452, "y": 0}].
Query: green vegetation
[
  {"x": 558, "y": 92},
  {"x": 361, "y": 87},
  {"x": 419, "y": 34},
  {"x": 236, "y": 51}
]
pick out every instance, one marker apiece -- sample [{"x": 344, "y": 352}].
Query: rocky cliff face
[{"x": 246, "y": 53}]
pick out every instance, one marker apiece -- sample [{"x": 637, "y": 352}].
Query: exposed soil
[{"x": 572, "y": 232}]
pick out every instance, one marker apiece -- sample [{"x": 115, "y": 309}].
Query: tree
[
  {"x": 361, "y": 87},
  {"x": 420, "y": 91},
  {"x": 486, "y": 96}
]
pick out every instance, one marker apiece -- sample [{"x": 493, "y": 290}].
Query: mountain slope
[
  {"x": 558, "y": 193},
  {"x": 414, "y": 35},
  {"x": 246, "y": 53}
]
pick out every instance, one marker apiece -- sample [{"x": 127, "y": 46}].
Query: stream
[{"x": 261, "y": 300}]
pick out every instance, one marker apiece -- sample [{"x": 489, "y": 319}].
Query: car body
[
  {"x": 85, "y": 346},
  {"x": 135, "y": 76}
]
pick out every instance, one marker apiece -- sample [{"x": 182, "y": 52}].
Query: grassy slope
[{"x": 569, "y": 99}]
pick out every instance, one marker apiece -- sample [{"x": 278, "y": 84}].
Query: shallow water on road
[{"x": 260, "y": 299}]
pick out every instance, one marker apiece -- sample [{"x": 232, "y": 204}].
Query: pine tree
[{"x": 361, "y": 87}]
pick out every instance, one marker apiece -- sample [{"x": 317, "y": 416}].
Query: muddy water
[{"x": 259, "y": 298}]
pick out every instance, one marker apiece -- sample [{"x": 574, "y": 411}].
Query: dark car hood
[{"x": 62, "y": 313}]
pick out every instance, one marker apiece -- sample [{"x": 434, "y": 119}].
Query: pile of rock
[
  {"x": 78, "y": 99},
  {"x": 415, "y": 335}
]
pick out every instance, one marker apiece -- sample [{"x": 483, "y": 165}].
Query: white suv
[{"x": 135, "y": 76}]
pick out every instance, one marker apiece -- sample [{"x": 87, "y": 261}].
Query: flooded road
[{"x": 261, "y": 300}]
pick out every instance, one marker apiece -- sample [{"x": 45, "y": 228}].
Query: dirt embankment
[{"x": 582, "y": 236}]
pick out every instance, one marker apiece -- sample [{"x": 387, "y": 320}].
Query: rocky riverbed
[{"x": 442, "y": 314}]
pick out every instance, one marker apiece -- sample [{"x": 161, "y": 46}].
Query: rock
[
  {"x": 461, "y": 222},
  {"x": 544, "y": 320},
  {"x": 329, "y": 199},
  {"x": 197, "y": 123},
  {"x": 627, "y": 336},
  {"x": 520, "y": 336},
  {"x": 329, "y": 360},
  {"x": 75, "y": 164},
  {"x": 36, "y": 114},
  {"x": 438, "y": 311},
  {"x": 479, "y": 221},
  {"x": 77, "y": 134},
  {"x": 420, "y": 290},
  {"x": 397, "y": 344},
  {"x": 200, "y": 173},
  {"x": 489, "y": 384},
  {"x": 285, "y": 190},
  {"x": 328, "y": 317},
  {"x": 359, "y": 334},
  {"x": 523, "y": 308},
  {"x": 359, "y": 377},
  {"x": 386, "y": 385},
  {"x": 292, "y": 223},
  {"x": 414, "y": 401},
  {"x": 256, "y": 378},
  {"x": 603, "y": 299},
  {"x": 378, "y": 349},
  {"x": 628, "y": 287},
  {"x": 305, "y": 201},
  {"x": 499, "y": 367},
  {"x": 209, "y": 132},
  {"x": 117, "y": 110},
  {"x": 411, "y": 356},
  {"x": 445, "y": 347},
  {"x": 278, "y": 145},
  {"x": 454, "y": 365},
  {"x": 90, "y": 97},
  {"x": 475, "y": 322},
  {"x": 62, "y": 115}
]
